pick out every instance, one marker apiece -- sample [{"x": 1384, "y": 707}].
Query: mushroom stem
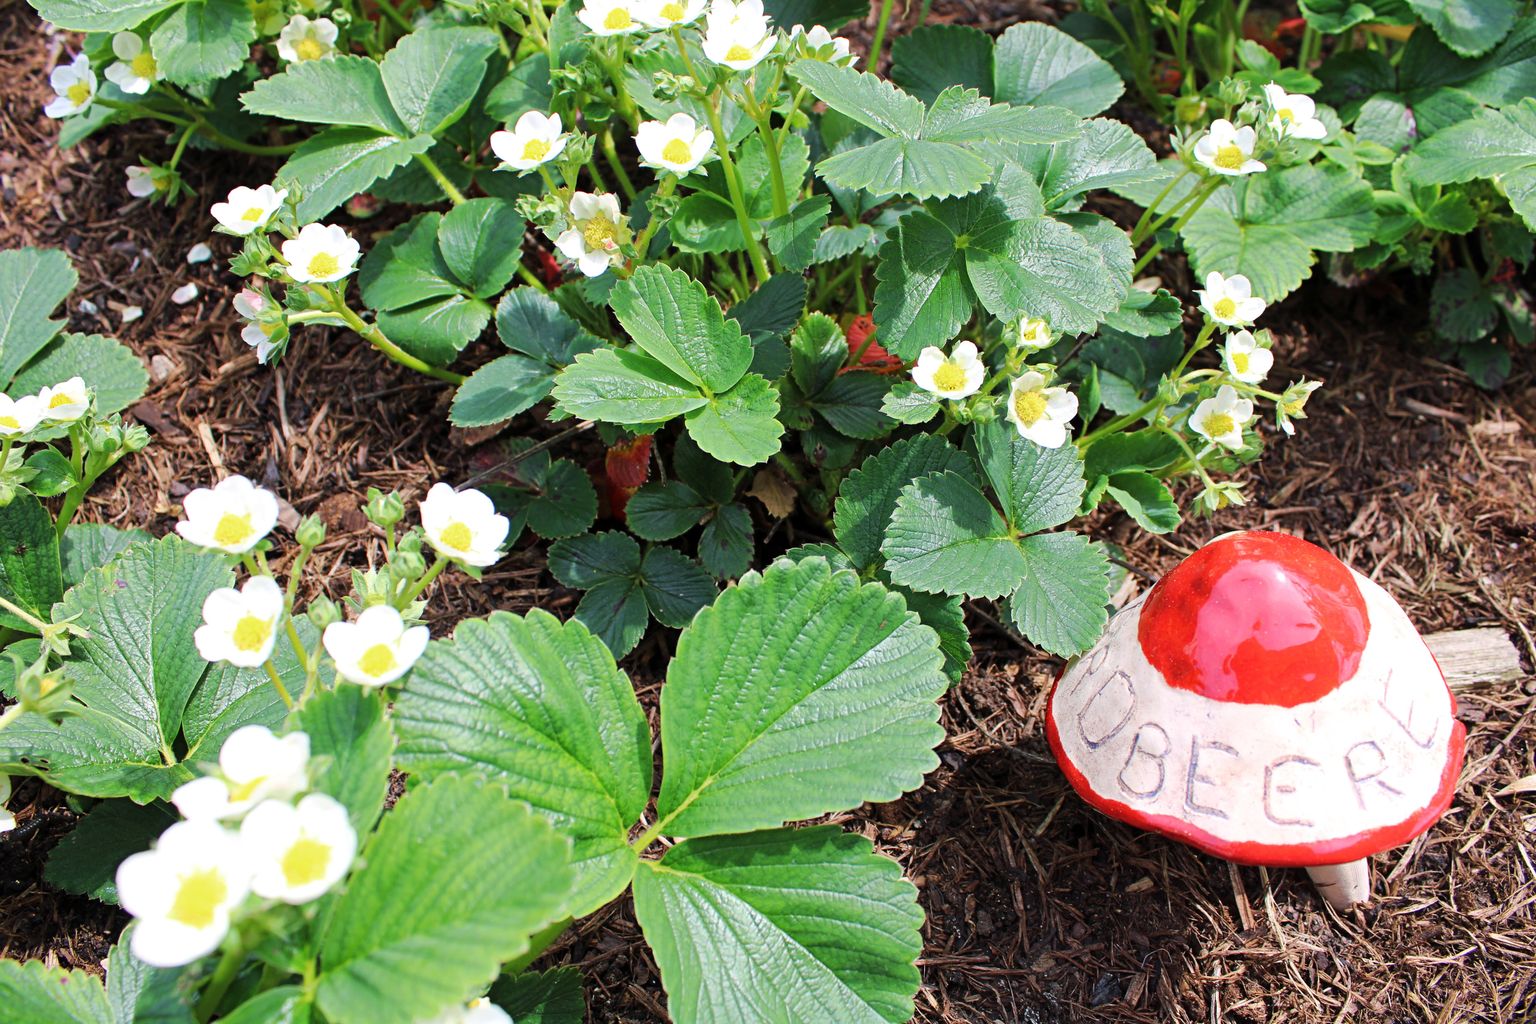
[{"x": 1343, "y": 885}]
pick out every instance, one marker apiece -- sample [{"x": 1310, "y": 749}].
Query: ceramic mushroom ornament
[{"x": 1267, "y": 704}]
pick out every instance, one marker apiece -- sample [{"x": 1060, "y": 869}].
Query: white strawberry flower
[
  {"x": 7, "y": 819},
  {"x": 819, "y": 44},
  {"x": 257, "y": 332},
  {"x": 322, "y": 253},
  {"x": 1293, "y": 115},
  {"x": 74, "y": 86},
  {"x": 240, "y": 626},
  {"x": 231, "y": 516},
  {"x": 146, "y": 181},
  {"x": 19, "y": 415},
  {"x": 1227, "y": 149},
  {"x": 254, "y": 765},
  {"x": 476, "y": 1011},
  {"x": 610, "y": 17},
  {"x": 1230, "y": 300},
  {"x": 667, "y": 13},
  {"x": 1041, "y": 414},
  {"x": 1034, "y": 333},
  {"x": 376, "y": 649},
  {"x": 136, "y": 69},
  {"x": 598, "y": 230},
  {"x": 248, "y": 210},
  {"x": 307, "y": 39},
  {"x": 678, "y": 145},
  {"x": 737, "y": 35},
  {"x": 1244, "y": 358},
  {"x": 533, "y": 141},
  {"x": 298, "y": 853},
  {"x": 1293, "y": 404},
  {"x": 65, "y": 402},
  {"x": 463, "y": 525},
  {"x": 182, "y": 892},
  {"x": 1221, "y": 419},
  {"x": 955, "y": 376}
]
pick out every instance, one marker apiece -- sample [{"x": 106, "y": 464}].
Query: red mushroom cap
[{"x": 1264, "y": 703}]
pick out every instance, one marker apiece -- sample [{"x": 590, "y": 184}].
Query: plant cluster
[
  {"x": 859, "y": 349},
  {"x": 1421, "y": 157}
]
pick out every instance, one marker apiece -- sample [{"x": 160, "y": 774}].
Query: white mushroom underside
[{"x": 1368, "y": 755}]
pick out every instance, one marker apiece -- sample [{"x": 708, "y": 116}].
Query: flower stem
[
  {"x": 375, "y": 337},
  {"x": 223, "y": 976},
  {"x": 277, "y": 684},
  {"x": 10, "y": 715},
  {"x": 438, "y": 565},
  {"x": 611, "y": 153},
  {"x": 449, "y": 188},
  {"x": 663, "y": 190},
  {"x": 728, "y": 165},
  {"x": 878, "y": 42}
]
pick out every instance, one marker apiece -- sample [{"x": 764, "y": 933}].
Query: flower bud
[
  {"x": 322, "y": 611},
  {"x": 135, "y": 438},
  {"x": 1232, "y": 91},
  {"x": 408, "y": 564},
  {"x": 1189, "y": 110},
  {"x": 311, "y": 532},
  {"x": 385, "y": 510}
]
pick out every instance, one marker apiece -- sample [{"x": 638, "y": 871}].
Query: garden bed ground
[{"x": 1039, "y": 910}]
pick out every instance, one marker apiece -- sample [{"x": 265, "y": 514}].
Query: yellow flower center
[
  {"x": 253, "y": 215},
  {"x": 1219, "y": 424},
  {"x": 1286, "y": 115},
  {"x": 144, "y": 65},
  {"x": 1230, "y": 157},
  {"x": 378, "y": 659},
  {"x": 1240, "y": 362},
  {"x": 243, "y": 791},
  {"x": 60, "y": 399},
  {"x": 198, "y": 898},
  {"x": 676, "y": 152},
  {"x": 535, "y": 149},
  {"x": 1029, "y": 407},
  {"x": 323, "y": 264},
  {"x": 599, "y": 233},
  {"x": 309, "y": 48},
  {"x": 737, "y": 52},
  {"x": 617, "y": 20},
  {"x": 9, "y": 423},
  {"x": 232, "y": 529},
  {"x": 306, "y": 861},
  {"x": 79, "y": 94},
  {"x": 949, "y": 377},
  {"x": 458, "y": 536},
  {"x": 251, "y": 633},
  {"x": 1225, "y": 308},
  {"x": 672, "y": 12}
]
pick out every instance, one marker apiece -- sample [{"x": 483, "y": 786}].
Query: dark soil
[{"x": 1039, "y": 909}]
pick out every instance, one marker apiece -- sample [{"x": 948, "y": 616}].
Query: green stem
[
  {"x": 181, "y": 146},
  {"x": 732, "y": 180},
  {"x": 277, "y": 684},
  {"x": 665, "y": 189},
  {"x": 218, "y": 984},
  {"x": 611, "y": 152},
  {"x": 69, "y": 506},
  {"x": 393, "y": 14},
  {"x": 375, "y": 337},
  {"x": 530, "y": 278},
  {"x": 436, "y": 570},
  {"x": 775, "y": 172},
  {"x": 10, "y": 715},
  {"x": 449, "y": 188},
  {"x": 879, "y": 41},
  {"x": 1139, "y": 231}
]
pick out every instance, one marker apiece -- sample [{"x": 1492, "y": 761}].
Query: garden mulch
[{"x": 1039, "y": 909}]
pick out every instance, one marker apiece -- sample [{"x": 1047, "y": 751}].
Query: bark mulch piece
[{"x": 1039, "y": 910}]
